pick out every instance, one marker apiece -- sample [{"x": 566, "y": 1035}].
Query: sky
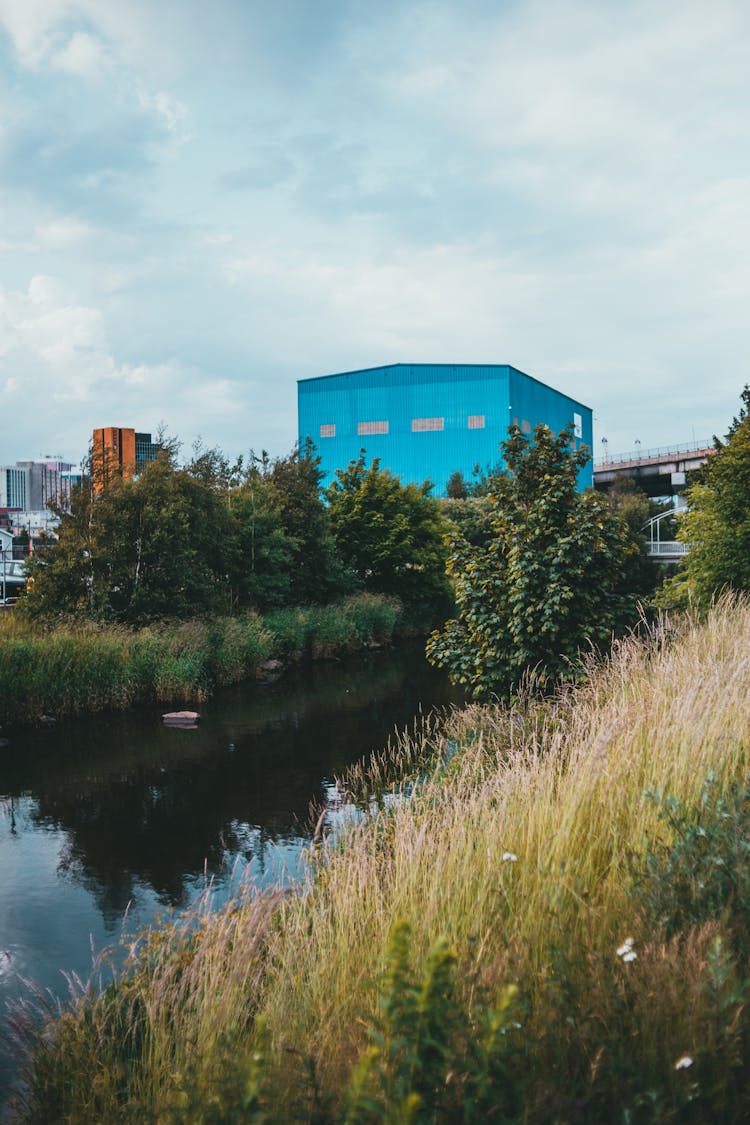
[{"x": 202, "y": 203}]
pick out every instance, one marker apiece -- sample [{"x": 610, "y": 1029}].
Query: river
[{"x": 119, "y": 815}]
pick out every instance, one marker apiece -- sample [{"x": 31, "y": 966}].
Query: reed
[
  {"x": 75, "y": 668},
  {"x": 519, "y": 845},
  {"x": 326, "y": 631}
]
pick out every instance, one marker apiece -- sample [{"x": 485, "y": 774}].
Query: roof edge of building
[{"x": 392, "y": 366}]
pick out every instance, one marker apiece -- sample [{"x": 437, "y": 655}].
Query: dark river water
[{"x": 117, "y": 813}]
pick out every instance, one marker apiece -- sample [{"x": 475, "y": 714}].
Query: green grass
[
  {"x": 464, "y": 952},
  {"x": 325, "y": 631},
  {"x": 72, "y": 669}
]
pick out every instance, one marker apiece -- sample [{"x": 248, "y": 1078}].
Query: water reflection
[
  {"x": 141, "y": 804},
  {"x": 103, "y": 814}
]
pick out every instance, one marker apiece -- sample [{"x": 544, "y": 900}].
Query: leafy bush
[
  {"x": 547, "y": 583},
  {"x": 429, "y": 1058},
  {"x": 703, "y": 871}
]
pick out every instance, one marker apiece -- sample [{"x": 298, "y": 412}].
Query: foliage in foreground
[
  {"x": 83, "y": 668},
  {"x": 550, "y": 580},
  {"x": 530, "y": 929}
]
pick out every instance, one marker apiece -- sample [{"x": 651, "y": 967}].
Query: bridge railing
[
  {"x": 668, "y": 547},
  {"x": 649, "y": 454}
]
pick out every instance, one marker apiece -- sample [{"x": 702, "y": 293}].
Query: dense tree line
[
  {"x": 535, "y": 570},
  {"x": 211, "y": 536}
]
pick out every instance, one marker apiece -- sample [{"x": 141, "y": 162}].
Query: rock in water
[{"x": 181, "y": 719}]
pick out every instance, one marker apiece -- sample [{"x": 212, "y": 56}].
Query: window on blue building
[
  {"x": 372, "y": 428},
  {"x": 420, "y": 425},
  {"x": 476, "y": 421},
  {"x": 328, "y": 430}
]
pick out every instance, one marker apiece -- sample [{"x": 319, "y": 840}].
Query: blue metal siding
[
  {"x": 401, "y": 393},
  {"x": 534, "y": 402}
]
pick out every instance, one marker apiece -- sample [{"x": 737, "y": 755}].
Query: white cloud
[
  {"x": 603, "y": 107},
  {"x": 81, "y": 55},
  {"x": 32, "y": 27},
  {"x": 563, "y": 187},
  {"x": 60, "y": 377},
  {"x": 61, "y": 233},
  {"x": 168, "y": 108},
  {"x": 38, "y": 31},
  {"x": 46, "y": 40}
]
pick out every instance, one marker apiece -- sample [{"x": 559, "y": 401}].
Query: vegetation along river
[{"x": 118, "y": 813}]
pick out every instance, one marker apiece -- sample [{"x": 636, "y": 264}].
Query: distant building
[
  {"x": 430, "y": 420},
  {"x": 46, "y": 483},
  {"x": 31, "y": 486},
  {"x": 13, "y": 490},
  {"x": 119, "y": 452}
]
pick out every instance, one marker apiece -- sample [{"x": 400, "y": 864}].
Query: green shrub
[
  {"x": 289, "y": 630},
  {"x": 75, "y": 668},
  {"x": 703, "y": 871},
  {"x": 429, "y": 1058},
  {"x": 237, "y": 646}
]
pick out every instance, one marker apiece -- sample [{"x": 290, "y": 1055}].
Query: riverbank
[
  {"x": 552, "y": 926},
  {"x": 71, "y": 669}
]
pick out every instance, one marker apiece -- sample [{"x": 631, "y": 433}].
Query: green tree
[
  {"x": 63, "y": 577},
  {"x": 316, "y": 574},
  {"x": 141, "y": 550},
  {"x": 548, "y": 583},
  {"x": 392, "y": 536},
  {"x": 470, "y": 517},
  {"x": 456, "y": 487},
  {"x": 717, "y": 524},
  {"x": 263, "y": 553},
  {"x": 280, "y": 548}
]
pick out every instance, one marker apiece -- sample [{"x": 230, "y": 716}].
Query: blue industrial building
[{"x": 427, "y": 420}]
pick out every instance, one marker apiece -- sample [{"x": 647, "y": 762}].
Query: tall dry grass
[
  {"x": 517, "y": 843},
  {"x": 561, "y": 787}
]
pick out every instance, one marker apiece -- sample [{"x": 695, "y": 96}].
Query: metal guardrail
[
  {"x": 651, "y": 454},
  {"x": 668, "y": 547}
]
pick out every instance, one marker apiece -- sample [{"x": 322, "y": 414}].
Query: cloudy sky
[{"x": 201, "y": 203}]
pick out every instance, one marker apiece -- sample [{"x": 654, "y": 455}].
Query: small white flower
[
  {"x": 626, "y": 947},
  {"x": 509, "y": 857},
  {"x": 631, "y": 955},
  {"x": 683, "y": 1063}
]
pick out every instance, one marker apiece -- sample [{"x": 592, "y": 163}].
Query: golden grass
[
  {"x": 517, "y": 849},
  {"x": 561, "y": 787}
]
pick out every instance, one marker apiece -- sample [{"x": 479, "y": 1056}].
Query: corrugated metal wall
[{"x": 428, "y": 420}]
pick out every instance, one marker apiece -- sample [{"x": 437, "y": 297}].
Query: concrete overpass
[{"x": 659, "y": 472}]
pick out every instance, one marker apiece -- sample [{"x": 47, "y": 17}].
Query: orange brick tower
[{"x": 113, "y": 455}]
